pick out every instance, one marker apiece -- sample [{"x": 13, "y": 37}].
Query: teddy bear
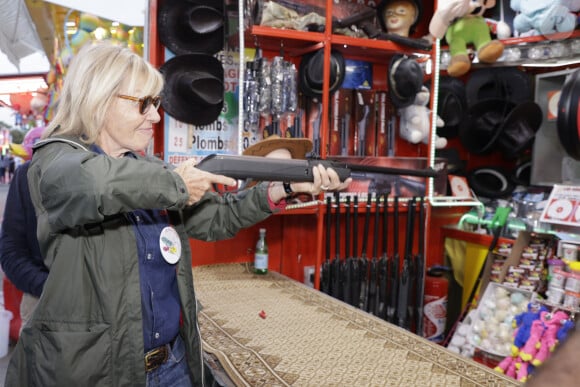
[
  {"x": 462, "y": 23},
  {"x": 415, "y": 124},
  {"x": 543, "y": 17}
]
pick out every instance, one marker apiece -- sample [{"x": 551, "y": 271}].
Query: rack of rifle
[{"x": 386, "y": 285}]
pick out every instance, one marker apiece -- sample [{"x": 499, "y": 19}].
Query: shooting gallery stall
[{"x": 371, "y": 257}]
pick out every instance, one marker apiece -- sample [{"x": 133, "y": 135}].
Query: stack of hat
[
  {"x": 194, "y": 79},
  {"x": 500, "y": 114}
]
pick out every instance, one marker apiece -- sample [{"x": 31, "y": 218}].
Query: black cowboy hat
[
  {"x": 490, "y": 182},
  {"x": 194, "y": 88},
  {"x": 311, "y": 72},
  {"x": 519, "y": 129},
  {"x": 381, "y": 14},
  {"x": 451, "y": 105},
  {"x": 187, "y": 27},
  {"x": 507, "y": 83},
  {"x": 405, "y": 79},
  {"x": 483, "y": 124},
  {"x": 569, "y": 115}
]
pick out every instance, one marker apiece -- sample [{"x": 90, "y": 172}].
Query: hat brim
[
  {"x": 490, "y": 182},
  {"x": 507, "y": 83},
  {"x": 307, "y": 72},
  {"x": 187, "y": 104},
  {"x": 175, "y": 31},
  {"x": 568, "y": 115},
  {"x": 298, "y": 147}
]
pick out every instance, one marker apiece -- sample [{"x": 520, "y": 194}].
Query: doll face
[
  {"x": 478, "y": 7},
  {"x": 399, "y": 15}
]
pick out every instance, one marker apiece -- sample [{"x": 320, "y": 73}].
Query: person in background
[
  {"x": 20, "y": 254},
  {"x": 113, "y": 224},
  {"x": 11, "y": 167},
  {"x": 3, "y": 168}
]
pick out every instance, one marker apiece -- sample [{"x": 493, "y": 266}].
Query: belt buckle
[{"x": 155, "y": 357}]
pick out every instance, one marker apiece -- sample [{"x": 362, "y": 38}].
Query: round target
[
  {"x": 577, "y": 214},
  {"x": 459, "y": 187},
  {"x": 553, "y": 104},
  {"x": 560, "y": 209}
]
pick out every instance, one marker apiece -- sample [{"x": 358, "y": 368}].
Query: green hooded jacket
[{"x": 87, "y": 328}]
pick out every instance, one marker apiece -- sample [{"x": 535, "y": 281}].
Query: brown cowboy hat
[{"x": 298, "y": 147}]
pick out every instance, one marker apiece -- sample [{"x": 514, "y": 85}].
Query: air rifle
[{"x": 271, "y": 169}]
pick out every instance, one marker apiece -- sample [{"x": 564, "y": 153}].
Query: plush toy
[
  {"x": 564, "y": 329},
  {"x": 530, "y": 348},
  {"x": 543, "y": 17},
  {"x": 462, "y": 23},
  {"x": 549, "y": 340},
  {"x": 415, "y": 124},
  {"x": 523, "y": 324},
  {"x": 508, "y": 366},
  {"x": 524, "y": 370}
]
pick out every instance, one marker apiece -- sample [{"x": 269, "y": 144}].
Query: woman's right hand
[{"x": 198, "y": 182}]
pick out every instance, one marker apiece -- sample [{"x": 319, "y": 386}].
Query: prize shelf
[{"x": 298, "y": 43}]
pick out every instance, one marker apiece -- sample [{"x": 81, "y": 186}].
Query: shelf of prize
[{"x": 297, "y": 43}]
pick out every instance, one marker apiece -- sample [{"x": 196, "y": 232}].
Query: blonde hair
[{"x": 94, "y": 78}]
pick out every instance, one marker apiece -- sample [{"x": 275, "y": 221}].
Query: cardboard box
[{"x": 523, "y": 240}]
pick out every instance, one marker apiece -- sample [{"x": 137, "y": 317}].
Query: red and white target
[{"x": 559, "y": 209}]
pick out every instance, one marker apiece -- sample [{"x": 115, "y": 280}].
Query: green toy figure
[{"x": 462, "y": 23}]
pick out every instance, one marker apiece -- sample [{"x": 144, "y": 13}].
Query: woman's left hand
[{"x": 325, "y": 179}]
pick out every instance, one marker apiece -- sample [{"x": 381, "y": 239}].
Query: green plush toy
[{"x": 462, "y": 23}]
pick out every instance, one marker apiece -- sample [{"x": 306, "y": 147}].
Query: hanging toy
[{"x": 462, "y": 23}]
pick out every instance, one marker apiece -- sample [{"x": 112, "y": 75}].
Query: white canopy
[{"x": 18, "y": 36}]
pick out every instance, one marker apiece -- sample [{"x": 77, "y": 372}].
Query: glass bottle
[{"x": 261, "y": 255}]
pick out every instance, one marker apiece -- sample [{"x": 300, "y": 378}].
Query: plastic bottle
[{"x": 261, "y": 255}]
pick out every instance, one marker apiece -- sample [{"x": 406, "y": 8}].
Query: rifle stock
[
  {"x": 270, "y": 169},
  {"x": 325, "y": 278}
]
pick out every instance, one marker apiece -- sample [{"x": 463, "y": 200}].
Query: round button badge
[{"x": 170, "y": 245}]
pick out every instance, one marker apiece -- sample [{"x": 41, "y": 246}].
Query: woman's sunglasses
[{"x": 144, "y": 103}]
